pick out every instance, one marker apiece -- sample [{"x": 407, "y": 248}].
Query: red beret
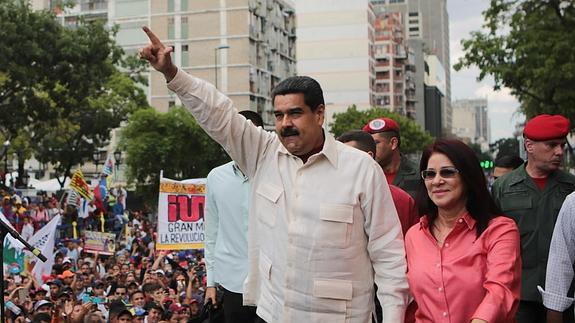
[
  {"x": 546, "y": 127},
  {"x": 381, "y": 125}
]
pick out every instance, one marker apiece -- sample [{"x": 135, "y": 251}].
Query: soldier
[
  {"x": 532, "y": 195},
  {"x": 398, "y": 170}
]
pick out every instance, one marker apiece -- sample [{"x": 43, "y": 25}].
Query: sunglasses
[{"x": 444, "y": 172}]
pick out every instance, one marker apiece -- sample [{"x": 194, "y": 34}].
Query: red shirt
[
  {"x": 405, "y": 206},
  {"x": 468, "y": 277}
]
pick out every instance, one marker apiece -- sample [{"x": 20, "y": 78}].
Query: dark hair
[
  {"x": 364, "y": 140},
  {"x": 310, "y": 88},
  {"x": 509, "y": 161},
  {"x": 480, "y": 205},
  {"x": 136, "y": 292},
  {"x": 390, "y": 134},
  {"x": 148, "y": 288},
  {"x": 41, "y": 317},
  {"x": 254, "y": 117}
]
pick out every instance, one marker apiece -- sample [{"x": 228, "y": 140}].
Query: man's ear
[
  {"x": 394, "y": 143},
  {"x": 528, "y": 145},
  {"x": 371, "y": 153},
  {"x": 320, "y": 111}
]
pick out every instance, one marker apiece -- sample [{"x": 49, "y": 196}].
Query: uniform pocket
[
  {"x": 334, "y": 229},
  {"x": 269, "y": 195},
  {"x": 330, "y": 299}
]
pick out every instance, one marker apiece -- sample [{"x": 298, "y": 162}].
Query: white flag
[{"x": 44, "y": 240}]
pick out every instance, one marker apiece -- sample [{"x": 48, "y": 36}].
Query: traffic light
[{"x": 486, "y": 164}]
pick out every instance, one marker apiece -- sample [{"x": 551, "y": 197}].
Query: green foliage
[
  {"x": 172, "y": 142},
  {"x": 507, "y": 147},
  {"x": 413, "y": 138},
  {"x": 527, "y": 46},
  {"x": 61, "y": 87}
]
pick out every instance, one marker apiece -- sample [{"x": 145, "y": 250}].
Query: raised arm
[{"x": 213, "y": 111}]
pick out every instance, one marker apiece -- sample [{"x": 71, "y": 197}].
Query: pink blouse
[{"x": 468, "y": 277}]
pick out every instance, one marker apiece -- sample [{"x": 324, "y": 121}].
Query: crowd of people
[{"x": 135, "y": 283}]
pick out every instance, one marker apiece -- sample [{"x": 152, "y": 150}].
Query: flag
[
  {"x": 74, "y": 198},
  {"x": 79, "y": 184},
  {"x": 13, "y": 249},
  {"x": 44, "y": 240},
  {"x": 108, "y": 166}
]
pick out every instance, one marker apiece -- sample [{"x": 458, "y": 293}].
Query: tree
[
  {"x": 413, "y": 138},
  {"x": 527, "y": 46},
  {"x": 507, "y": 147},
  {"x": 172, "y": 142},
  {"x": 61, "y": 87}
]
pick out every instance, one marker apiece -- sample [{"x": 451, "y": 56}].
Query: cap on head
[
  {"x": 381, "y": 125},
  {"x": 546, "y": 127}
]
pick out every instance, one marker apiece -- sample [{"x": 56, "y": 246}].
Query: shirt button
[
  {"x": 437, "y": 265},
  {"x": 447, "y": 244},
  {"x": 444, "y": 314},
  {"x": 460, "y": 220},
  {"x": 440, "y": 289}
]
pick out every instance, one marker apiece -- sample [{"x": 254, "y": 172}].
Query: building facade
[
  {"x": 395, "y": 85},
  {"x": 244, "y": 47},
  {"x": 335, "y": 47},
  {"x": 426, "y": 26},
  {"x": 471, "y": 121}
]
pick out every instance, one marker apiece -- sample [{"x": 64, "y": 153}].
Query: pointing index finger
[{"x": 153, "y": 38}]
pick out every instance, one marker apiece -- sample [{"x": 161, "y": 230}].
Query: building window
[
  {"x": 171, "y": 28},
  {"x": 171, "y": 104},
  {"x": 184, "y": 5},
  {"x": 171, "y": 5},
  {"x": 185, "y": 55},
  {"x": 184, "y": 29},
  {"x": 414, "y": 14},
  {"x": 413, "y": 28}
]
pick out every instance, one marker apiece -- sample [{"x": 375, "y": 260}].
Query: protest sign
[
  {"x": 100, "y": 242},
  {"x": 181, "y": 214}
]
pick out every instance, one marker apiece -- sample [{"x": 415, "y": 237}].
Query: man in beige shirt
[{"x": 322, "y": 223}]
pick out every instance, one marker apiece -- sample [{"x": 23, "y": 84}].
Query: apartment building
[
  {"x": 244, "y": 47},
  {"x": 394, "y": 65}
]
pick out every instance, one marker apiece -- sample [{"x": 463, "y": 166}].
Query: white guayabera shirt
[{"x": 318, "y": 232}]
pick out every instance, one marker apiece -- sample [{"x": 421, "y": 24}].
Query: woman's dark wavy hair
[{"x": 480, "y": 204}]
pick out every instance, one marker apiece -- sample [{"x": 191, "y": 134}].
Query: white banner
[
  {"x": 181, "y": 214},
  {"x": 44, "y": 240}
]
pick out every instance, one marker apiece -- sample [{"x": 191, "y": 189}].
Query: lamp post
[
  {"x": 216, "y": 60},
  {"x": 25, "y": 179},
  {"x": 6, "y": 146},
  {"x": 96, "y": 155},
  {"x": 118, "y": 159}
]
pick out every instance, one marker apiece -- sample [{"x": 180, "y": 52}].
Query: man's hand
[
  {"x": 211, "y": 294},
  {"x": 158, "y": 55}
]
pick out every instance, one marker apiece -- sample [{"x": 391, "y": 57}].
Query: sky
[{"x": 464, "y": 17}]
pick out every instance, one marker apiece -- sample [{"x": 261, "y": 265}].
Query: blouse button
[
  {"x": 444, "y": 314},
  {"x": 460, "y": 220},
  {"x": 447, "y": 244},
  {"x": 440, "y": 289}
]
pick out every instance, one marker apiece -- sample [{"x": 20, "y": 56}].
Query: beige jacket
[{"x": 319, "y": 233}]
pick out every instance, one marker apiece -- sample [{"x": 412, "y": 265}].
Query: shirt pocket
[
  {"x": 334, "y": 229},
  {"x": 519, "y": 206},
  {"x": 268, "y": 196},
  {"x": 331, "y": 297}
]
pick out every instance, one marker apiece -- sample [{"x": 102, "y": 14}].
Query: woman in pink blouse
[{"x": 463, "y": 257}]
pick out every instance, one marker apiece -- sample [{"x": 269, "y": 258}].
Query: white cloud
[{"x": 501, "y": 96}]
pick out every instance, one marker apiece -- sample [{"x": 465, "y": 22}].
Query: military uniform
[
  {"x": 535, "y": 212},
  {"x": 407, "y": 177}
]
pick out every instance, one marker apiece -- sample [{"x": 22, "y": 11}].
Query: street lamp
[
  {"x": 216, "y": 60},
  {"x": 25, "y": 179},
  {"x": 118, "y": 158},
  {"x": 6, "y": 146},
  {"x": 96, "y": 155}
]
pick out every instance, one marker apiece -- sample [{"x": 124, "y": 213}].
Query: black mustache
[{"x": 286, "y": 132}]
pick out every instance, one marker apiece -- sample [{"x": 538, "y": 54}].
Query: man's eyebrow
[{"x": 290, "y": 110}]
